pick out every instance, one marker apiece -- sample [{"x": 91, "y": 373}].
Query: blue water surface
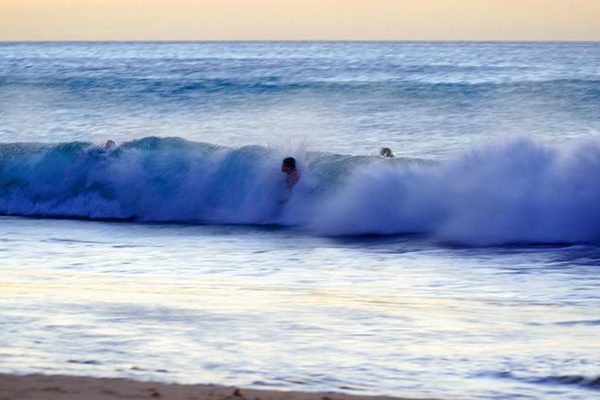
[{"x": 466, "y": 267}]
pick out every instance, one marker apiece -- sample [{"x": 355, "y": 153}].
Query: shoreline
[{"x": 64, "y": 387}]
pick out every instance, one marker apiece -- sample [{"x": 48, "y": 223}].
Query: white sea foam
[{"x": 504, "y": 192}]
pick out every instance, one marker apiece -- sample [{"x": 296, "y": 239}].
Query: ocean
[{"x": 467, "y": 266}]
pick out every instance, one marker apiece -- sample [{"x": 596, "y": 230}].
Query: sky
[{"x": 299, "y": 19}]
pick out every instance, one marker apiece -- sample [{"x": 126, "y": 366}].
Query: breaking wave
[{"x": 511, "y": 191}]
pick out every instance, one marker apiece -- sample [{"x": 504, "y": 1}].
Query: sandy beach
[{"x": 43, "y": 387}]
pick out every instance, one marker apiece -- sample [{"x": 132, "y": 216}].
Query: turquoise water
[{"x": 465, "y": 267}]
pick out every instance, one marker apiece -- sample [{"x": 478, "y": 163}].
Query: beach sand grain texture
[{"x": 44, "y": 387}]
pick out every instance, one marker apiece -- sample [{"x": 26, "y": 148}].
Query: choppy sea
[{"x": 468, "y": 266}]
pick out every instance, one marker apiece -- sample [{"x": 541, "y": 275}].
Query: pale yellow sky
[{"x": 299, "y": 19}]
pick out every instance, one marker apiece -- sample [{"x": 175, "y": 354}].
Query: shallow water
[
  {"x": 204, "y": 275},
  {"x": 270, "y": 307}
]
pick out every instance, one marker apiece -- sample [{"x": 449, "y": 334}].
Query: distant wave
[
  {"x": 419, "y": 87},
  {"x": 511, "y": 191}
]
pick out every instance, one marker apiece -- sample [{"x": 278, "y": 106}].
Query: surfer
[
  {"x": 386, "y": 152},
  {"x": 102, "y": 150},
  {"x": 110, "y": 144},
  {"x": 292, "y": 175}
]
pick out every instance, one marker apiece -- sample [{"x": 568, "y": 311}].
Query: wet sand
[{"x": 42, "y": 387}]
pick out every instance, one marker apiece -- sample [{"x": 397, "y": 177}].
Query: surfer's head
[
  {"x": 110, "y": 144},
  {"x": 386, "y": 152},
  {"x": 288, "y": 165}
]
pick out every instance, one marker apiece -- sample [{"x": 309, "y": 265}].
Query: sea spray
[{"x": 513, "y": 191}]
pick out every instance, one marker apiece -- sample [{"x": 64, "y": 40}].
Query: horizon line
[{"x": 298, "y": 40}]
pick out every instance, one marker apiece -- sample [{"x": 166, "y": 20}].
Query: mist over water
[{"x": 466, "y": 265}]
